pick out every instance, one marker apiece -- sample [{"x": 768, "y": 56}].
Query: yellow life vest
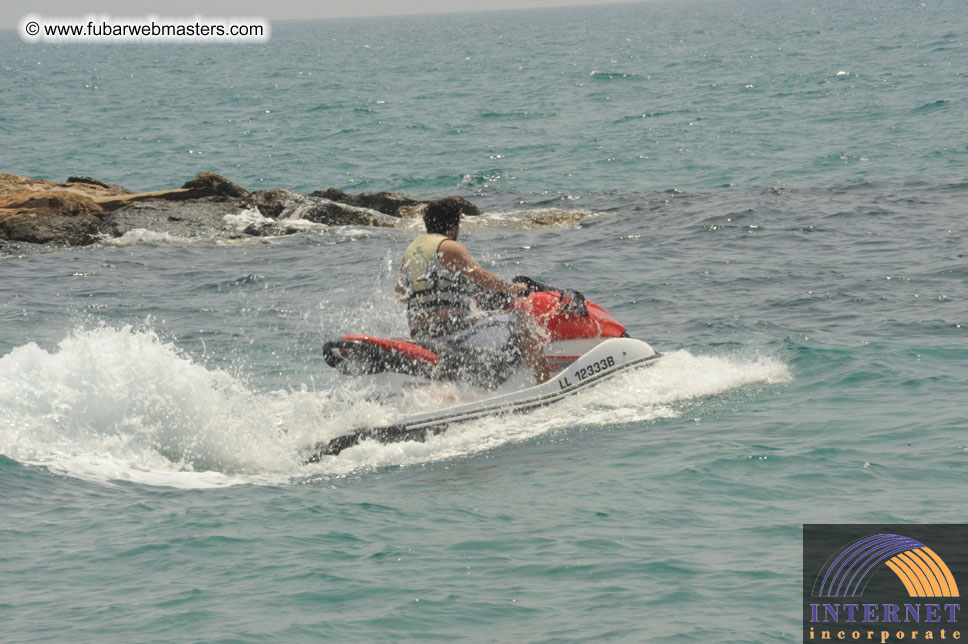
[{"x": 430, "y": 285}]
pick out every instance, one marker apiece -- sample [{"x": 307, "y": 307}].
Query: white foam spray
[{"x": 123, "y": 404}]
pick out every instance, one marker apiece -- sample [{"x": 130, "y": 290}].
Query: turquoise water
[{"x": 770, "y": 193}]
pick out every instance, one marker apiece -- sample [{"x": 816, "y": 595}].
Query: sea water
[{"x": 770, "y": 193}]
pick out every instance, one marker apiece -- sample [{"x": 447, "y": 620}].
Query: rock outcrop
[
  {"x": 83, "y": 209},
  {"x": 95, "y": 182},
  {"x": 277, "y": 202},
  {"x": 286, "y": 204},
  {"x": 217, "y": 186},
  {"x": 395, "y": 204},
  {"x": 195, "y": 218},
  {"x": 205, "y": 185},
  {"x": 50, "y": 217}
]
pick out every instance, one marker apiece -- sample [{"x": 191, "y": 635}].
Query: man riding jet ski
[
  {"x": 444, "y": 287},
  {"x": 470, "y": 326}
]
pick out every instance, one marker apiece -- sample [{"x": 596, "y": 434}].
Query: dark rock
[
  {"x": 88, "y": 180},
  {"x": 273, "y": 203},
  {"x": 196, "y": 218},
  {"x": 54, "y": 229},
  {"x": 265, "y": 229},
  {"x": 50, "y": 216},
  {"x": 323, "y": 211},
  {"x": 216, "y": 185},
  {"x": 256, "y": 230},
  {"x": 389, "y": 203},
  {"x": 286, "y": 204},
  {"x": 395, "y": 204},
  {"x": 112, "y": 188}
]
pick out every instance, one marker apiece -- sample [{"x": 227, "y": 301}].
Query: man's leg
[{"x": 532, "y": 344}]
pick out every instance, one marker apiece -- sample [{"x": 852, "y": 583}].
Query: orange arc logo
[{"x": 923, "y": 573}]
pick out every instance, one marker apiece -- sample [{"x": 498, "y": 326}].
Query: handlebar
[{"x": 576, "y": 301}]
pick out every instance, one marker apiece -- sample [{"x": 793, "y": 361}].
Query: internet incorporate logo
[
  {"x": 919, "y": 568},
  {"x": 883, "y": 587}
]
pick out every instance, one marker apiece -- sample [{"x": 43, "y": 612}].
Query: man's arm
[
  {"x": 455, "y": 258},
  {"x": 400, "y": 288}
]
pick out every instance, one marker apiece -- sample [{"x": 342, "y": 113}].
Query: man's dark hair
[{"x": 440, "y": 215}]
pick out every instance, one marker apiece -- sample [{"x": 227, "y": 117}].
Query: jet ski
[{"x": 586, "y": 345}]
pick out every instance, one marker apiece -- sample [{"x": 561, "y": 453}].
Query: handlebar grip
[
  {"x": 576, "y": 301},
  {"x": 532, "y": 285}
]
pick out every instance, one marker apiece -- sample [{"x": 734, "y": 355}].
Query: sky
[{"x": 11, "y": 11}]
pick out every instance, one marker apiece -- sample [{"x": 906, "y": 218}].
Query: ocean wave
[
  {"x": 608, "y": 75},
  {"x": 518, "y": 114},
  {"x": 930, "y": 107},
  {"x": 483, "y": 177},
  {"x": 143, "y": 236},
  {"x": 124, "y": 404},
  {"x": 649, "y": 115}
]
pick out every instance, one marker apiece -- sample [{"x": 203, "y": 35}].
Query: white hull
[{"x": 598, "y": 364}]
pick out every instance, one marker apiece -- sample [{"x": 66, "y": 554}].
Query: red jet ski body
[{"x": 572, "y": 324}]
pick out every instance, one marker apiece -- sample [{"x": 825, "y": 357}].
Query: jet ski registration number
[{"x": 595, "y": 367}]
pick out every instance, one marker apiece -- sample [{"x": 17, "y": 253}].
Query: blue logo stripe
[
  {"x": 825, "y": 589},
  {"x": 856, "y": 563},
  {"x": 895, "y": 546},
  {"x": 859, "y": 557}
]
